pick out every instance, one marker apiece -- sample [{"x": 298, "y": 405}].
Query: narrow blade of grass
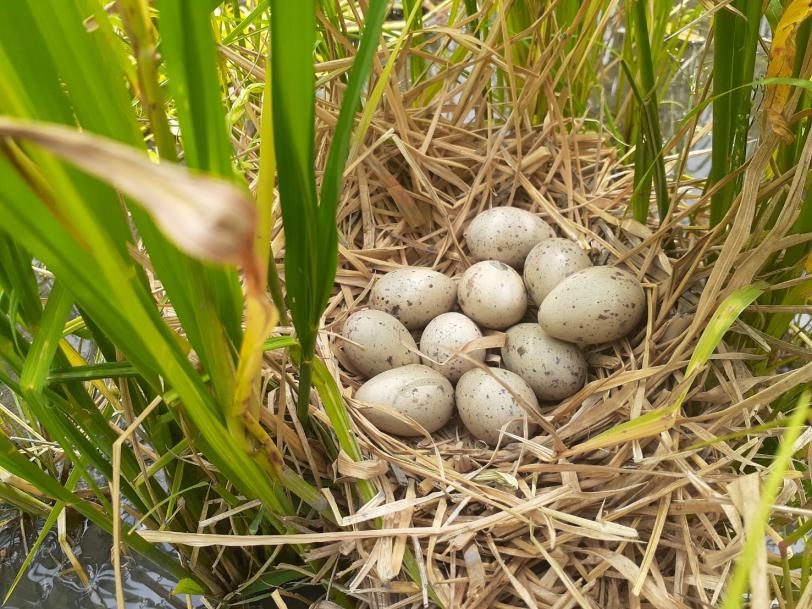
[
  {"x": 754, "y": 536},
  {"x": 309, "y": 271}
]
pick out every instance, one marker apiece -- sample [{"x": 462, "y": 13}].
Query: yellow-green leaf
[{"x": 188, "y": 586}]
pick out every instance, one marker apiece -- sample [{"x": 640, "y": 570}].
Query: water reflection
[{"x": 50, "y": 582}]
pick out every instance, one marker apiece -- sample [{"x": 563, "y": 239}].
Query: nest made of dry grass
[
  {"x": 556, "y": 521},
  {"x": 654, "y": 518}
]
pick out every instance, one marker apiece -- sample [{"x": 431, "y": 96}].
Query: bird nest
[
  {"x": 574, "y": 516},
  {"x": 629, "y": 496}
]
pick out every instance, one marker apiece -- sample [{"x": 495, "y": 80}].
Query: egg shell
[
  {"x": 377, "y": 342},
  {"x": 415, "y": 391},
  {"x": 445, "y": 335},
  {"x": 506, "y": 234},
  {"x": 549, "y": 263},
  {"x": 414, "y": 295},
  {"x": 596, "y": 305},
  {"x": 492, "y": 294},
  {"x": 485, "y": 404},
  {"x": 553, "y": 368}
]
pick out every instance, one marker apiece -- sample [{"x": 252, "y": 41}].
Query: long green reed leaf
[
  {"x": 309, "y": 271},
  {"x": 292, "y": 41},
  {"x": 652, "y": 139}
]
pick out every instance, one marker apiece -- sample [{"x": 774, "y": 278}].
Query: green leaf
[
  {"x": 310, "y": 271},
  {"x": 191, "y": 58},
  {"x": 46, "y": 341},
  {"x": 104, "y": 370},
  {"x": 188, "y": 586},
  {"x": 334, "y": 169},
  {"x": 17, "y": 277},
  {"x": 755, "y": 532},
  {"x": 727, "y": 313},
  {"x": 255, "y": 14}
]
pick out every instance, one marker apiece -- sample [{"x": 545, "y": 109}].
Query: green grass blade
[
  {"x": 727, "y": 313},
  {"x": 255, "y": 14},
  {"x": 746, "y": 51},
  {"x": 17, "y": 277},
  {"x": 339, "y": 149},
  {"x": 734, "y": 595},
  {"x": 104, "y": 370},
  {"x": 310, "y": 271},
  {"x": 136, "y": 17},
  {"x": 191, "y": 61},
  {"x": 292, "y": 42},
  {"x": 46, "y": 341},
  {"x": 21, "y": 500},
  {"x": 266, "y": 184},
  {"x": 721, "y": 136},
  {"x": 650, "y": 113},
  {"x": 417, "y": 63}
]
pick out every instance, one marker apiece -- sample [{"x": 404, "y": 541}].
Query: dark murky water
[{"x": 50, "y": 582}]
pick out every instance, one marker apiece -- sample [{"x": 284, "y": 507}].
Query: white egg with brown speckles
[
  {"x": 549, "y": 263},
  {"x": 506, "y": 234},
  {"x": 595, "y": 305},
  {"x": 445, "y": 335},
  {"x": 376, "y": 342},
  {"x": 414, "y": 295},
  {"x": 415, "y": 391},
  {"x": 486, "y": 405},
  {"x": 492, "y": 294},
  {"x": 555, "y": 369}
]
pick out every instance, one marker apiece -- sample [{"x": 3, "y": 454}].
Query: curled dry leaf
[
  {"x": 361, "y": 470},
  {"x": 206, "y": 217},
  {"x": 782, "y": 60}
]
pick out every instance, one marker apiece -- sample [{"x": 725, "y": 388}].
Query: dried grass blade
[{"x": 206, "y": 217}]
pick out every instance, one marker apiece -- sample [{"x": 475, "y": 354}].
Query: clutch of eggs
[{"x": 518, "y": 262}]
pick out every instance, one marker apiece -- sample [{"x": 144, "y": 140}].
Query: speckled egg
[
  {"x": 549, "y": 263},
  {"x": 506, "y": 234},
  {"x": 415, "y": 391},
  {"x": 492, "y": 294},
  {"x": 485, "y": 405},
  {"x": 594, "y": 305},
  {"x": 414, "y": 295},
  {"x": 445, "y": 335},
  {"x": 553, "y": 368},
  {"x": 376, "y": 342}
]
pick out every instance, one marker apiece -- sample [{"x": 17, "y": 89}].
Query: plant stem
[
  {"x": 135, "y": 14},
  {"x": 650, "y": 110}
]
